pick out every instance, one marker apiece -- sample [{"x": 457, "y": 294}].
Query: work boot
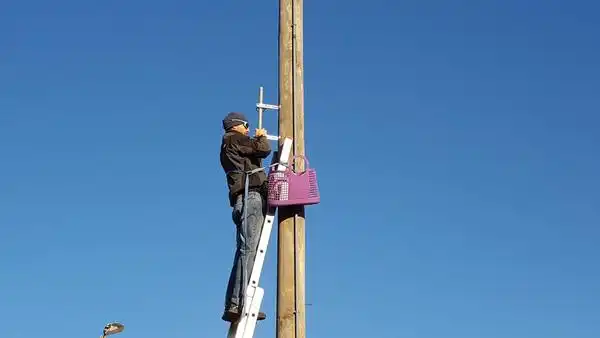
[{"x": 233, "y": 314}]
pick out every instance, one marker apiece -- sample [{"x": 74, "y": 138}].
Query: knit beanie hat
[{"x": 233, "y": 119}]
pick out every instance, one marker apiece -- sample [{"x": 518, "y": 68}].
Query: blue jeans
[{"x": 246, "y": 245}]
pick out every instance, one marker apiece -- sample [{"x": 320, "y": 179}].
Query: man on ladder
[{"x": 241, "y": 153}]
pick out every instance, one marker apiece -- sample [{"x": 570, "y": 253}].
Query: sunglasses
[{"x": 244, "y": 123}]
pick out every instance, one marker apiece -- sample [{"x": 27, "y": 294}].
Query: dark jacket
[{"x": 242, "y": 153}]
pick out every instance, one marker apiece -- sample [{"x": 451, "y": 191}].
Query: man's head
[{"x": 236, "y": 122}]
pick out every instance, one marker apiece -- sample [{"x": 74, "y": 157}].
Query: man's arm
[{"x": 257, "y": 146}]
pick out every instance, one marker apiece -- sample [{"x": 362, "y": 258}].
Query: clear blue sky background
[{"x": 456, "y": 147}]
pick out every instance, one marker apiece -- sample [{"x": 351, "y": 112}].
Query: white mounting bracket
[
  {"x": 261, "y": 107},
  {"x": 245, "y": 327},
  {"x": 267, "y": 106}
]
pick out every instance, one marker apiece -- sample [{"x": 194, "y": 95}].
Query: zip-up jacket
[{"x": 241, "y": 153}]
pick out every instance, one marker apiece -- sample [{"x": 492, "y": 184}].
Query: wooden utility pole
[{"x": 291, "y": 319}]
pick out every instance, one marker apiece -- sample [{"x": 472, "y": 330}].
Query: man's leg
[
  {"x": 231, "y": 296},
  {"x": 247, "y": 244}
]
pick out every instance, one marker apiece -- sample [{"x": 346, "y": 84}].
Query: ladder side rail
[
  {"x": 268, "y": 221},
  {"x": 249, "y": 326},
  {"x": 263, "y": 242},
  {"x": 246, "y": 326}
]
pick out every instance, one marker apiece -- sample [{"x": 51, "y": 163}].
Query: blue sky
[{"x": 456, "y": 145}]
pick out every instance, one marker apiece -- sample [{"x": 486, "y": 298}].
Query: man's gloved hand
[{"x": 260, "y": 132}]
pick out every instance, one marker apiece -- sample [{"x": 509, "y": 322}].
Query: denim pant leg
[{"x": 246, "y": 246}]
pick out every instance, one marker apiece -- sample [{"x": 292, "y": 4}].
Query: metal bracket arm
[{"x": 267, "y": 106}]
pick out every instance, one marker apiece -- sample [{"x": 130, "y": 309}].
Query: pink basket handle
[{"x": 306, "y": 163}]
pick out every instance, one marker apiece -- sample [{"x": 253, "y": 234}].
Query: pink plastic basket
[{"x": 291, "y": 188}]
